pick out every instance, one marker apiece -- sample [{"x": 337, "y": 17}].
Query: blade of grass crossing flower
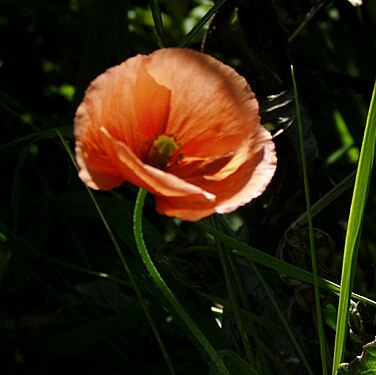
[
  {"x": 184, "y": 42},
  {"x": 276, "y": 264},
  {"x": 158, "y": 23},
  {"x": 358, "y": 203},
  {"x": 212, "y": 354},
  {"x": 310, "y": 229},
  {"x": 124, "y": 264}
]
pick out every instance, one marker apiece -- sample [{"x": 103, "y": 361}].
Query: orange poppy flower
[{"x": 179, "y": 124}]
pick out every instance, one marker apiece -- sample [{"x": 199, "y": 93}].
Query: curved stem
[
  {"x": 124, "y": 263},
  {"x": 170, "y": 297}
]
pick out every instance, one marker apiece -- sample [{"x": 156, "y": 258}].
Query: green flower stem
[
  {"x": 170, "y": 297},
  {"x": 124, "y": 263},
  {"x": 310, "y": 230}
]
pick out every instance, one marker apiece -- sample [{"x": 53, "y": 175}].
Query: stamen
[{"x": 162, "y": 150}]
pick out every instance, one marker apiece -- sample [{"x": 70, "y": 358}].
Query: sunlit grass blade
[
  {"x": 184, "y": 42},
  {"x": 158, "y": 23},
  {"x": 358, "y": 203},
  {"x": 124, "y": 264},
  {"x": 310, "y": 229}
]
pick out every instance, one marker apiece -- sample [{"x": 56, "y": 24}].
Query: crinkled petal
[
  {"x": 191, "y": 167},
  {"x": 146, "y": 176},
  {"x": 262, "y": 167},
  {"x": 246, "y": 182}
]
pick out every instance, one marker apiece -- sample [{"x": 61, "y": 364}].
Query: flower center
[{"x": 161, "y": 151}]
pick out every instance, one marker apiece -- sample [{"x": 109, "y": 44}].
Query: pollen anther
[{"x": 162, "y": 150}]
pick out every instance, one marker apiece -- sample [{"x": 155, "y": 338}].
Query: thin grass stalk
[
  {"x": 282, "y": 318},
  {"x": 356, "y": 215},
  {"x": 211, "y": 353},
  {"x": 158, "y": 23},
  {"x": 274, "y": 304},
  {"x": 320, "y": 324},
  {"x": 125, "y": 265},
  {"x": 222, "y": 223},
  {"x": 234, "y": 302},
  {"x": 262, "y": 354},
  {"x": 325, "y": 200},
  {"x": 308, "y": 17},
  {"x": 184, "y": 42},
  {"x": 86, "y": 271}
]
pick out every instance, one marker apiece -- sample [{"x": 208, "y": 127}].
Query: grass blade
[
  {"x": 273, "y": 302},
  {"x": 233, "y": 298},
  {"x": 158, "y": 23},
  {"x": 310, "y": 229},
  {"x": 358, "y": 203}
]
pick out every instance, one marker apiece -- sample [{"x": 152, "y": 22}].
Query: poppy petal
[
  {"x": 127, "y": 100},
  {"x": 247, "y": 182},
  {"x": 145, "y": 176},
  {"x": 151, "y": 103},
  {"x": 220, "y": 110}
]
